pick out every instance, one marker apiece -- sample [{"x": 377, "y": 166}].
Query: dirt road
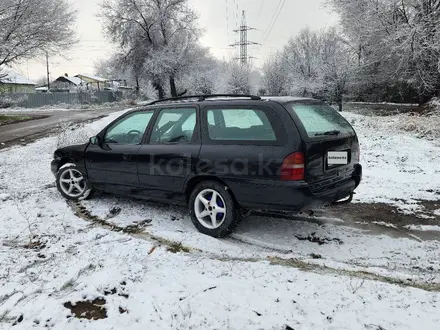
[{"x": 30, "y": 130}]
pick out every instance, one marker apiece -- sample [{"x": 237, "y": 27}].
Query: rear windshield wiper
[{"x": 334, "y": 132}]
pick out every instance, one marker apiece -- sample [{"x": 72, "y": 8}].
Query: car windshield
[{"x": 320, "y": 119}]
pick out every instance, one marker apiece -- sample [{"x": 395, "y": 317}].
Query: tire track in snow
[{"x": 279, "y": 260}]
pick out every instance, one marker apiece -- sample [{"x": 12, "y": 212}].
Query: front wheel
[
  {"x": 213, "y": 210},
  {"x": 72, "y": 184}
]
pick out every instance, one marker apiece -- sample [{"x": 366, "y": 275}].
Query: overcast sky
[{"x": 217, "y": 17}]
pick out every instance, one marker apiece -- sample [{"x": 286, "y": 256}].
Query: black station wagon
[{"x": 221, "y": 155}]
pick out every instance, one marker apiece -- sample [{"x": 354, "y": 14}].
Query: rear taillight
[
  {"x": 293, "y": 166},
  {"x": 357, "y": 154}
]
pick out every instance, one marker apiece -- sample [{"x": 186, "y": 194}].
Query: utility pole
[
  {"x": 48, "y": 72},
  {"x": 244, "y": 42}
]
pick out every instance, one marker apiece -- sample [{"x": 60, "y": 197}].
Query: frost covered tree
[
  {"x": 29, "y": 28},
  {"x": 109, "y": 68},
  {"x": 275, "y": 76},
  {"x": 158, "y": 38},
  {"x": 398, "y": 45},
  {"x": 202, "y": 75},
  {"x": 301, "y": 58},
  {"x": 237, "y": 78},
  {"x": 335, "y": 66},
  {"x": 314, "y": 63}
]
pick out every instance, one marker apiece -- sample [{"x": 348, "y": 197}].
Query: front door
[
  {"x": 171, "y": 154},
  {"x": 112, "y": 165}
]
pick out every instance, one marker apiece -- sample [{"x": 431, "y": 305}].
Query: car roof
[
  {"x": 287, "y": 99},
  {"x": 220, "y": 99}
]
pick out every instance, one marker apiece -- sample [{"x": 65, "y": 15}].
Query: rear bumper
[{"x": 297, "y": 196}]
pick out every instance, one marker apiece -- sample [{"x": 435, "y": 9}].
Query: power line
[
  {"x": 261, "y": 9},
  {"x": 274, "y": 22},
  {"x": 227, "y": 19},
  {"x": 270, "y": 22}
]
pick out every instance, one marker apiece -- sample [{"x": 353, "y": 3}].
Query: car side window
[
  {"x": 174, "y": 126},
  {"x": 129, "y": 130},
  {"x": 241, "y": 118},
  {"x": 241, "y": 124},
  {"x": 189, "y": 124},
  {"x": 211, "y": 119}
]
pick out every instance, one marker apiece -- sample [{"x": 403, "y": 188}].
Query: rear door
[
  {"x": 244, "y": 145},
  {"x": 330, "y": 143}
]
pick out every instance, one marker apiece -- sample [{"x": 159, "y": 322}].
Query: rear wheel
[
  {"x": 213, "y": 210},
  {"x": 72, "y": 183}
]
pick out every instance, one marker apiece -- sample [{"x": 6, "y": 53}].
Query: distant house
[
  {"x": 41, "y": 89},
  {"x": 12, "y": 82},
  {"x": 93, "y": 82},
  {"x": 66, "y": 83},
  {"x": 84, "y": 82}
]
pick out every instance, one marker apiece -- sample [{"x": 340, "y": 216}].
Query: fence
[{"x": 37, "y": 100}]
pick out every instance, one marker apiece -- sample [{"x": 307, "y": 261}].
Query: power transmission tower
[{"x": 244, "y": 42}]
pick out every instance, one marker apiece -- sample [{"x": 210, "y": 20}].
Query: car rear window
[{"x": 321, "y": 119}]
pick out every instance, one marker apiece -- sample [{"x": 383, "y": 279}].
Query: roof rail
[{"x": 201, "y": 98}]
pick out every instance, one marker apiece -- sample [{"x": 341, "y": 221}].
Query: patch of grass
[
  {"x": 13, "y": 119},
  {"x": 10, "y": 119},
  {"x": 175, "y": 247}
]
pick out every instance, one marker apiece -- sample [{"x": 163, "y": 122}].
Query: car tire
[
  {"x": 216, "y": 218},
  {"x": 72, "y": 183}
]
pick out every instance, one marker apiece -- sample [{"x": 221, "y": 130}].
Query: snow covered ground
[
  {"x": 399, "y": 166},
  {"x": 323, "y": 272},
  {"x": 64, "y": 107}
]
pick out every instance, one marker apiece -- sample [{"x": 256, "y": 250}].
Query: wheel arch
[
  {"x": 65, "y": 161},
  {"x": 194, "y": 181}
]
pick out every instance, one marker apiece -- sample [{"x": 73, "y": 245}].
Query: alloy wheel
[
  {"x": 72, "y": 183},
  {"x": 210, "y": 209}
]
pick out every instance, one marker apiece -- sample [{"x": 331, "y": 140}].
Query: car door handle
[{"x": 126, "y": 157}]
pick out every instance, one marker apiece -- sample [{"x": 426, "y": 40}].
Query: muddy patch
[
  {"x": 90, "y": 310},
  {"x": 319, "y": 240},
  {"x": 386, "y": 219},
  {"x": 386, "y": 213},
  {"x": 120, "y": 292},
  {"x": 375, "y": 218},
  {"x": 135, "y": 228}
]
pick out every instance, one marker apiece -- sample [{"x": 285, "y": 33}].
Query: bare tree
[
  {"x": 157, "y": 37},
  {"x": 29, "y": 28}
]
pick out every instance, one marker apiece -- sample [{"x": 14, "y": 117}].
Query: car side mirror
[{"x": 94, "y": 140}]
